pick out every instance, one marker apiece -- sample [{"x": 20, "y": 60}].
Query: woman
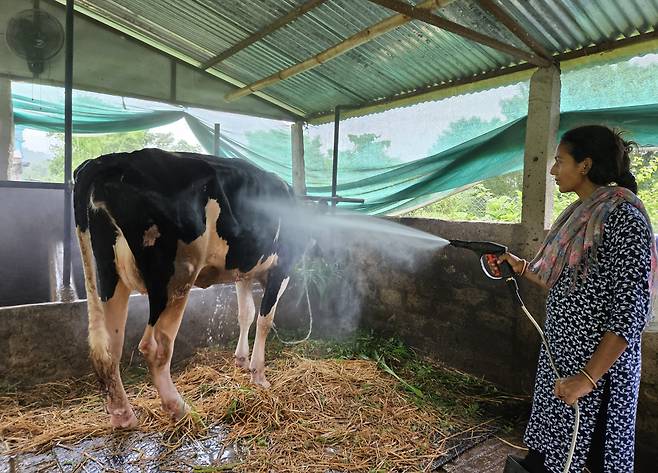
[{"x": 598, "y": 262}]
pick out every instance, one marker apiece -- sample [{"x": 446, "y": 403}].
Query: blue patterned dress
[{"x": 614, "y": 297}]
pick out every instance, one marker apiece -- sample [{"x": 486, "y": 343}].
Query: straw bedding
[{"x": 319, "y": 415}]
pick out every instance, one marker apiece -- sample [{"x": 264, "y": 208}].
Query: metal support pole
[
  {"x": 334, "y": 168},
  {"x": 68, "y": 161},
  {"x": 298, "y": 167},
  {"x": 215, "y": 147},
  {"x": 6, "y": 130}
]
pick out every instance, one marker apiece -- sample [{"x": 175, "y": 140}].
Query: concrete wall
[
  {"x": 447, "y": 307},
  {"x": 30, "y": 219},
  {"x": 47, "y": 342}
]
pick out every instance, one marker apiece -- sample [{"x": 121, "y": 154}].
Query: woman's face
[{"x": 569, "y": 175}]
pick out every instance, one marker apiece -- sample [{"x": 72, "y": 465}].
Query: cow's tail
[{"x": 99, "y": 338}]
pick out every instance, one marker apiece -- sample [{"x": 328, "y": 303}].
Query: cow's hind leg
[
  {"x": 108, "y": 370},
  {"x": 107, "y": 319},
  {"x": 157, "y": 346},
  {"x": 277, "y": 282},
  {"x": 246, "y": 312}
]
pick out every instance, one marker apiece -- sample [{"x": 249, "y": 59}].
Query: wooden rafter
[
  {"x": 514, "y": 26},
  {"x": 352, "y": 42},
  {"x": 275, "y": 25},
  {"x": 435, "y": 20}
]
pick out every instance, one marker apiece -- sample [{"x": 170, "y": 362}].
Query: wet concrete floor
[{"x": 475, "y": 452}]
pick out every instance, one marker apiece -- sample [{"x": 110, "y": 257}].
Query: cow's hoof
[
  {"x": 260, "y": 380},
  {"x": 242, "y": 362},
  {"x": 123, "y": 419},
  {"x": 176, "y": 409}
]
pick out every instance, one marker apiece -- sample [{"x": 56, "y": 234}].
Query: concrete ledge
[{"x": 46, "y": 342}]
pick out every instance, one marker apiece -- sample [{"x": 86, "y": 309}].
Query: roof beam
[
  {"x": 275, "y": 25},
  {"x": 506, "y": 19},
  {"x": 352, "y": 42},
  {"x": 435, "y": 20}
]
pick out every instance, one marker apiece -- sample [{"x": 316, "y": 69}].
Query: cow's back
[{"x": 152, "y": 205}]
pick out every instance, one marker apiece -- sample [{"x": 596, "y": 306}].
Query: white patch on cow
[
  {"x": 151, "y": 234},
  {"x": 126, "y": 266},
  {"x": 217, "y": 247},
  {"x": 261, "y": 267},
  {"x": 211, "y": 251}
]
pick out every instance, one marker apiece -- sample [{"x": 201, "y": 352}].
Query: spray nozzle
[{"x": 488, "y": 252}]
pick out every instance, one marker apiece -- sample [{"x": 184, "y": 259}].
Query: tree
[
  {"x": 585, "y": 88},
  {"x": 517, "y": 105},
  {"x": 461, "y": 131},
  {"x": 91, "y": 146},
  {"x": 367, "y": 153}
]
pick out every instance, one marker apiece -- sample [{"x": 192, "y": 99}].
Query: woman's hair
[{"x": 609, "y": 153}]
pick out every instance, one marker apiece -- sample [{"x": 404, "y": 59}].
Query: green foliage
[
  {"x": 494, "y": 200},
  {"x": 367, "y": 152},
  {"x": 466, "y": 129},
  {"x": 499, "y": 199},
  {"x": 609, "y": 85},
  {"x": 644, "y": 166},
  {"x": 88, "y": 147},
  {"x": 318, "y": 273},
  {"x": 38, "y": 171},
  {"x": 424, "y": 380},
  {"x": 461, "y": 131}
]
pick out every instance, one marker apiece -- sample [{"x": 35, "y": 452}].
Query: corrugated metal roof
[{"x": 411, "y": 57}]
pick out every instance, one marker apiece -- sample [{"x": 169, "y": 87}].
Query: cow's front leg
[
  {"x": 246, "y": 311},
  {"x": 276, "y": 285},
  {"x": 157, "y": 346}
]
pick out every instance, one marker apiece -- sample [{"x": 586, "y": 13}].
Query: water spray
[{"x": 489, "y": 252}]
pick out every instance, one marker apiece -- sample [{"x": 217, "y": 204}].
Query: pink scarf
[{"x": 575, "y": 236}]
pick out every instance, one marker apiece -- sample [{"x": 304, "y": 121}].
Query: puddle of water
[{"x": 132, "y": 453}]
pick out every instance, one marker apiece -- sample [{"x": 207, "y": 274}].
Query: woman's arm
[
  {"x": 574, "y": 387},
  {"x": 517, "y": 266},
  {"x": 529, "y": 275},
  {"x": 608, "y": 351}
]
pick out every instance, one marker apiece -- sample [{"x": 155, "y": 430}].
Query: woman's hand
[
  {"x": 572, "y": 388},
  {"x": 515, "y": 262}
]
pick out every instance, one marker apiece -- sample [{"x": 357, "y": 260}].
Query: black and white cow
[{"x": 159, "y": 223}]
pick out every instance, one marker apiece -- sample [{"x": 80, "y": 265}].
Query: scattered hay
[{"x": 319, "y": 415}]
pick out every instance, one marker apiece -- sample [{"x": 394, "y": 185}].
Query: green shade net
[
  {"x": 497, "y": 152},
  {"x": 89, "y": 116},
  {"x": 387, "y": 189}
]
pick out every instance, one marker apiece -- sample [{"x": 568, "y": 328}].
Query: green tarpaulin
[{"x": 386, "y": 190}]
